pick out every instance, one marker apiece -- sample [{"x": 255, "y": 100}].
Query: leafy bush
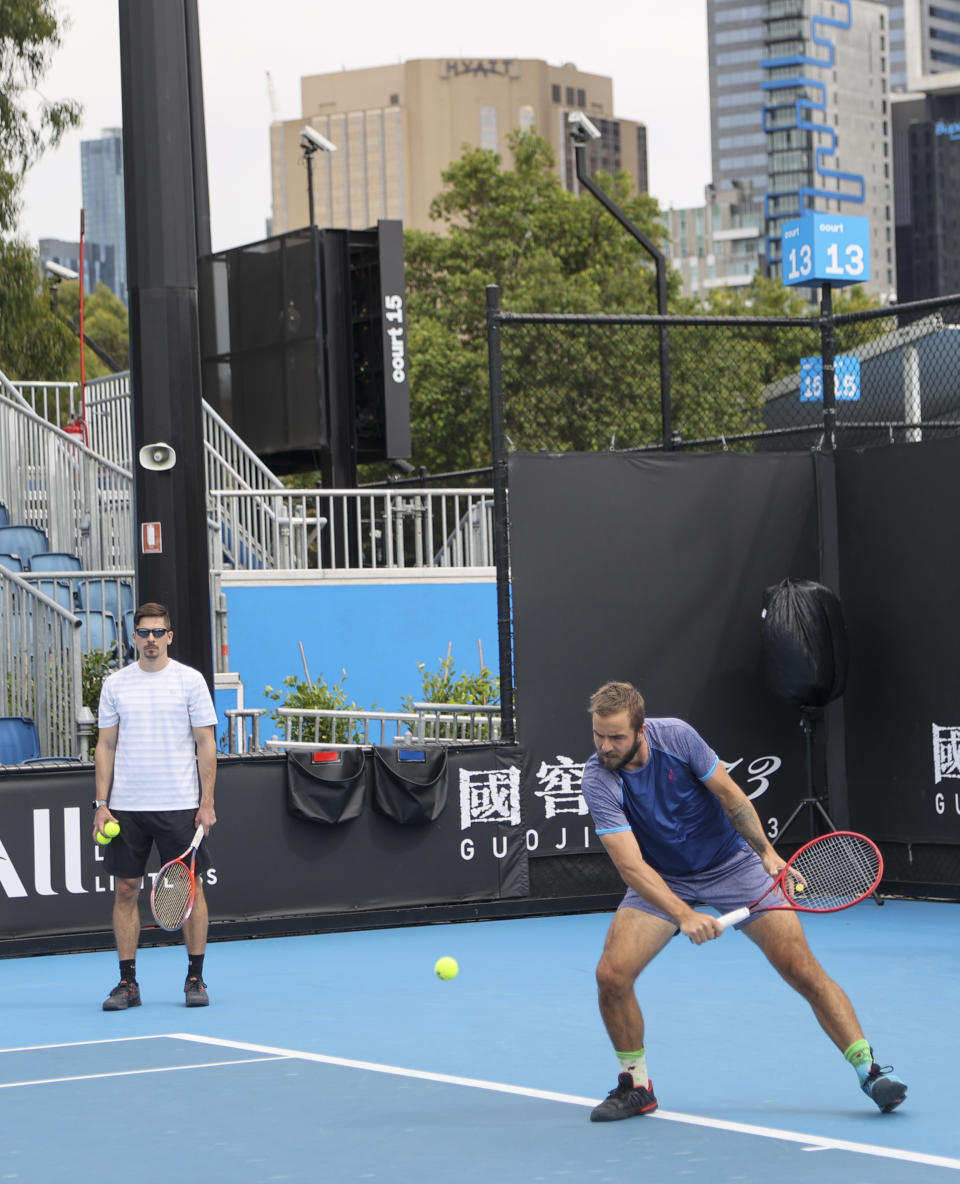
[
  {"x": 97, "y": 664},
  {"x": 310, "y": 695},
  {"x": 445, "y": 685}
]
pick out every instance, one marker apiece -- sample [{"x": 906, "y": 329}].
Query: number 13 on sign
[{"x": 826, "y": 248}]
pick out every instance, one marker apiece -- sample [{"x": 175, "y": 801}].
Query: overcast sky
[{"x": 655, "y": 53}]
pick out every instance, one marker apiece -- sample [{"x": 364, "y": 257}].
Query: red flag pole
[{"x": 83, "y": 372}]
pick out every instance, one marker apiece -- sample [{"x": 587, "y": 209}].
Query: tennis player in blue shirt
[{"x": 682, "y": 834}]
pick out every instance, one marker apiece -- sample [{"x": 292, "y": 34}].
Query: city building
[
  {"x": 931, "y": 39},
  {"x": 105, "y": 241},
  {"x": 926, "y": 149},
  {"x": 775, "y": 81},
  {"x": 719, "y": 244},
  {"x": 799, "y": 94},
  {"x": 397, "y": 128}
]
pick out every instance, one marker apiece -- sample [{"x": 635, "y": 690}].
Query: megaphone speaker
[{"x": 157, "y": 457}]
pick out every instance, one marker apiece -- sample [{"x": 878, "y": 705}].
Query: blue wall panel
[{"x": 377, "y": 633}]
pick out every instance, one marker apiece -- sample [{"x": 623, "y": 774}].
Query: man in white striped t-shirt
[{"x": 156, "y": 765}]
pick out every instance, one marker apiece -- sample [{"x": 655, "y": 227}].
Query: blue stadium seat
[
  {"x": 11, "y": 562},
  {"x": 58, "y": 590},
  {"x": 4, "y": 515},
  {"x": 112, "y": 596},
  {"x": 98, "y": 631},
  {"x": 52, "y": 760},
  {"x": 56, "y": 561},
  {"x": 128, "y": 633},
  {"x": 18, "y": 739},
  {"x": 25, "y": 541}
]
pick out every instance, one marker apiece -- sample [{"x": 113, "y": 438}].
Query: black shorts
[{"x": 171, "y": 831}]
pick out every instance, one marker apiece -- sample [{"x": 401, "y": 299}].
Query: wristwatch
[{"x": 98, "y": 803}]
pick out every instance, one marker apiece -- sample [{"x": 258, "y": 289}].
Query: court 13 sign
[{"x": 826, "y": 249}]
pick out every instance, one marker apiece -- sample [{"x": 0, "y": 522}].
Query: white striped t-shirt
[{"x": 156, "y": 759}]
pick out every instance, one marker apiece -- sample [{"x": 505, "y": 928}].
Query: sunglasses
[{"x": 151, "y": 632}]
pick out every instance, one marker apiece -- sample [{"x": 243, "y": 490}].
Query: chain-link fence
[{"x": 587, "y": 383}]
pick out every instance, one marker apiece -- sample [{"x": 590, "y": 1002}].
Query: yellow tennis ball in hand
[
  {"x": 111, "y": 828},
  {"x": 446, "y": 968},
  {"x": 800, "y": 886},
  {"x": 103, "y": 839}
]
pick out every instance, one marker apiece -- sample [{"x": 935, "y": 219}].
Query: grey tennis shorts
[{"x": 738, "y": 881}]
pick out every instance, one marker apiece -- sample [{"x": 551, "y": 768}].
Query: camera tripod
[{"x": 813, "y": 802}]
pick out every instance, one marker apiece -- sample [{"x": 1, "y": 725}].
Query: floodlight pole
[
  {"x": 308, "y": 152},
  {"x": 579, "y": 140}
]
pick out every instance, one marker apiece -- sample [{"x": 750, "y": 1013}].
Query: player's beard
[{"x": 613, "y": 763}]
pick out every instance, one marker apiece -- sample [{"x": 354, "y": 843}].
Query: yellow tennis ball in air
[
  {"x": 111, "y": 828},
  {"x": 103, "y": 839},
  {"x": 446, "y": 968}
]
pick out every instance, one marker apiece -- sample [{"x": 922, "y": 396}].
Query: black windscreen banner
[
  {"x": 267, "y": 862},
  {"x": 652, "y": 569},
  {"x": 900, "y": 591}
]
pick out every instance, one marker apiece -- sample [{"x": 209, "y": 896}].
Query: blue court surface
[{"x": 341, "y": 1057}]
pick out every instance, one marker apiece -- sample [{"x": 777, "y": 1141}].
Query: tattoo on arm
[{"x": 747, "y": 822}]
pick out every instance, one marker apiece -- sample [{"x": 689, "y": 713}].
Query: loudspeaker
[{"x": 157, "y": 457}]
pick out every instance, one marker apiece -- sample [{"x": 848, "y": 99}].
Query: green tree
[
  {"x": 30, "y": 30},
  {"x": 32, "y": 342},
  {"x": 548, "y": 251},
  {"x": 105, "y": 321}
]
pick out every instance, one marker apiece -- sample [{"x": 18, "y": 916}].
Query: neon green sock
[
  {"x": 860, "y": 1055},
  {"x": 635, "y": 1063}
]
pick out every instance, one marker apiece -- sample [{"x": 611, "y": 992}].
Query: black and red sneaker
[
  {"x": 625, "y": 1101},
  {"x": 125, "y": 994},
  {"x": 195, "y": 993}
]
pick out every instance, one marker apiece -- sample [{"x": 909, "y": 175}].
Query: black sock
[
  {"x": 195, "y": 968},
  {"x": 128, "y": 970}
]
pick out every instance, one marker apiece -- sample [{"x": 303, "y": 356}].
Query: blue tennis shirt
[{"x": 679, "y": 824}]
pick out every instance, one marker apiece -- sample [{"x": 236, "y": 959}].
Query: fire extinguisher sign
[{"x": 151, "y": 540}]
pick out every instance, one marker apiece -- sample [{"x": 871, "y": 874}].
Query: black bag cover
[
  {"x": 804, "y": 643},
  {"x": 409, "y": 784},
  {"x": 327, "y": 785}
]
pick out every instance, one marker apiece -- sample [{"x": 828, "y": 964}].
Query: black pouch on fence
[
  {"x": 326, "y": 786},
  {"x": 409, "y": 784},
  {"x": 804, "y": 643}
]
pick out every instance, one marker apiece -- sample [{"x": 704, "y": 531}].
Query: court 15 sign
[
  {"x": 826, "y": 249},
  {"x": 846, "y": 378}
]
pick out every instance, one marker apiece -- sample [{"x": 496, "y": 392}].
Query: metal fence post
[
  {"x": 828, "y": 344},
  {"x": 501, "y": 520}
]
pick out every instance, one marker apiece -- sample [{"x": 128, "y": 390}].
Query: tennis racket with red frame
[
  {"x": 829, "y": 873},
  {"x": 175, "y": 888}
]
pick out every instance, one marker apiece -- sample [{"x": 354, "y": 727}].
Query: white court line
[
  {"x": 811, "y": 1142},
  {"x": 83, "y": 1043},
  {"x": 133, "y": 1072}
]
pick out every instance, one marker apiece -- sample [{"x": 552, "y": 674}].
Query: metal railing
[
  {"x": 349, "y": 529},
  {"x": 41, "y": 672},
  {"x": 52, "y": 480},
  {"x": 96, "y": 595},
  {"x": 256, "y": 524},
  {"x": 427, "y": 723},
  {"x": 56, "y": 402}
]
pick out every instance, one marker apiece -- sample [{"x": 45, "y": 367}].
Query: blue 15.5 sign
[
  {"x": 826, "y": 249},
  {"x": 846, "y": 378}
]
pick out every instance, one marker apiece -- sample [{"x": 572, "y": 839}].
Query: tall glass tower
[
  {"x": 105, "y": 249},
  {"x": 799, "y": 104}
]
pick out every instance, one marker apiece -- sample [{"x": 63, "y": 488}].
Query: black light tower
[
  {"x": 582, "y": 131},
  {"x": 167, "y": 222}
]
